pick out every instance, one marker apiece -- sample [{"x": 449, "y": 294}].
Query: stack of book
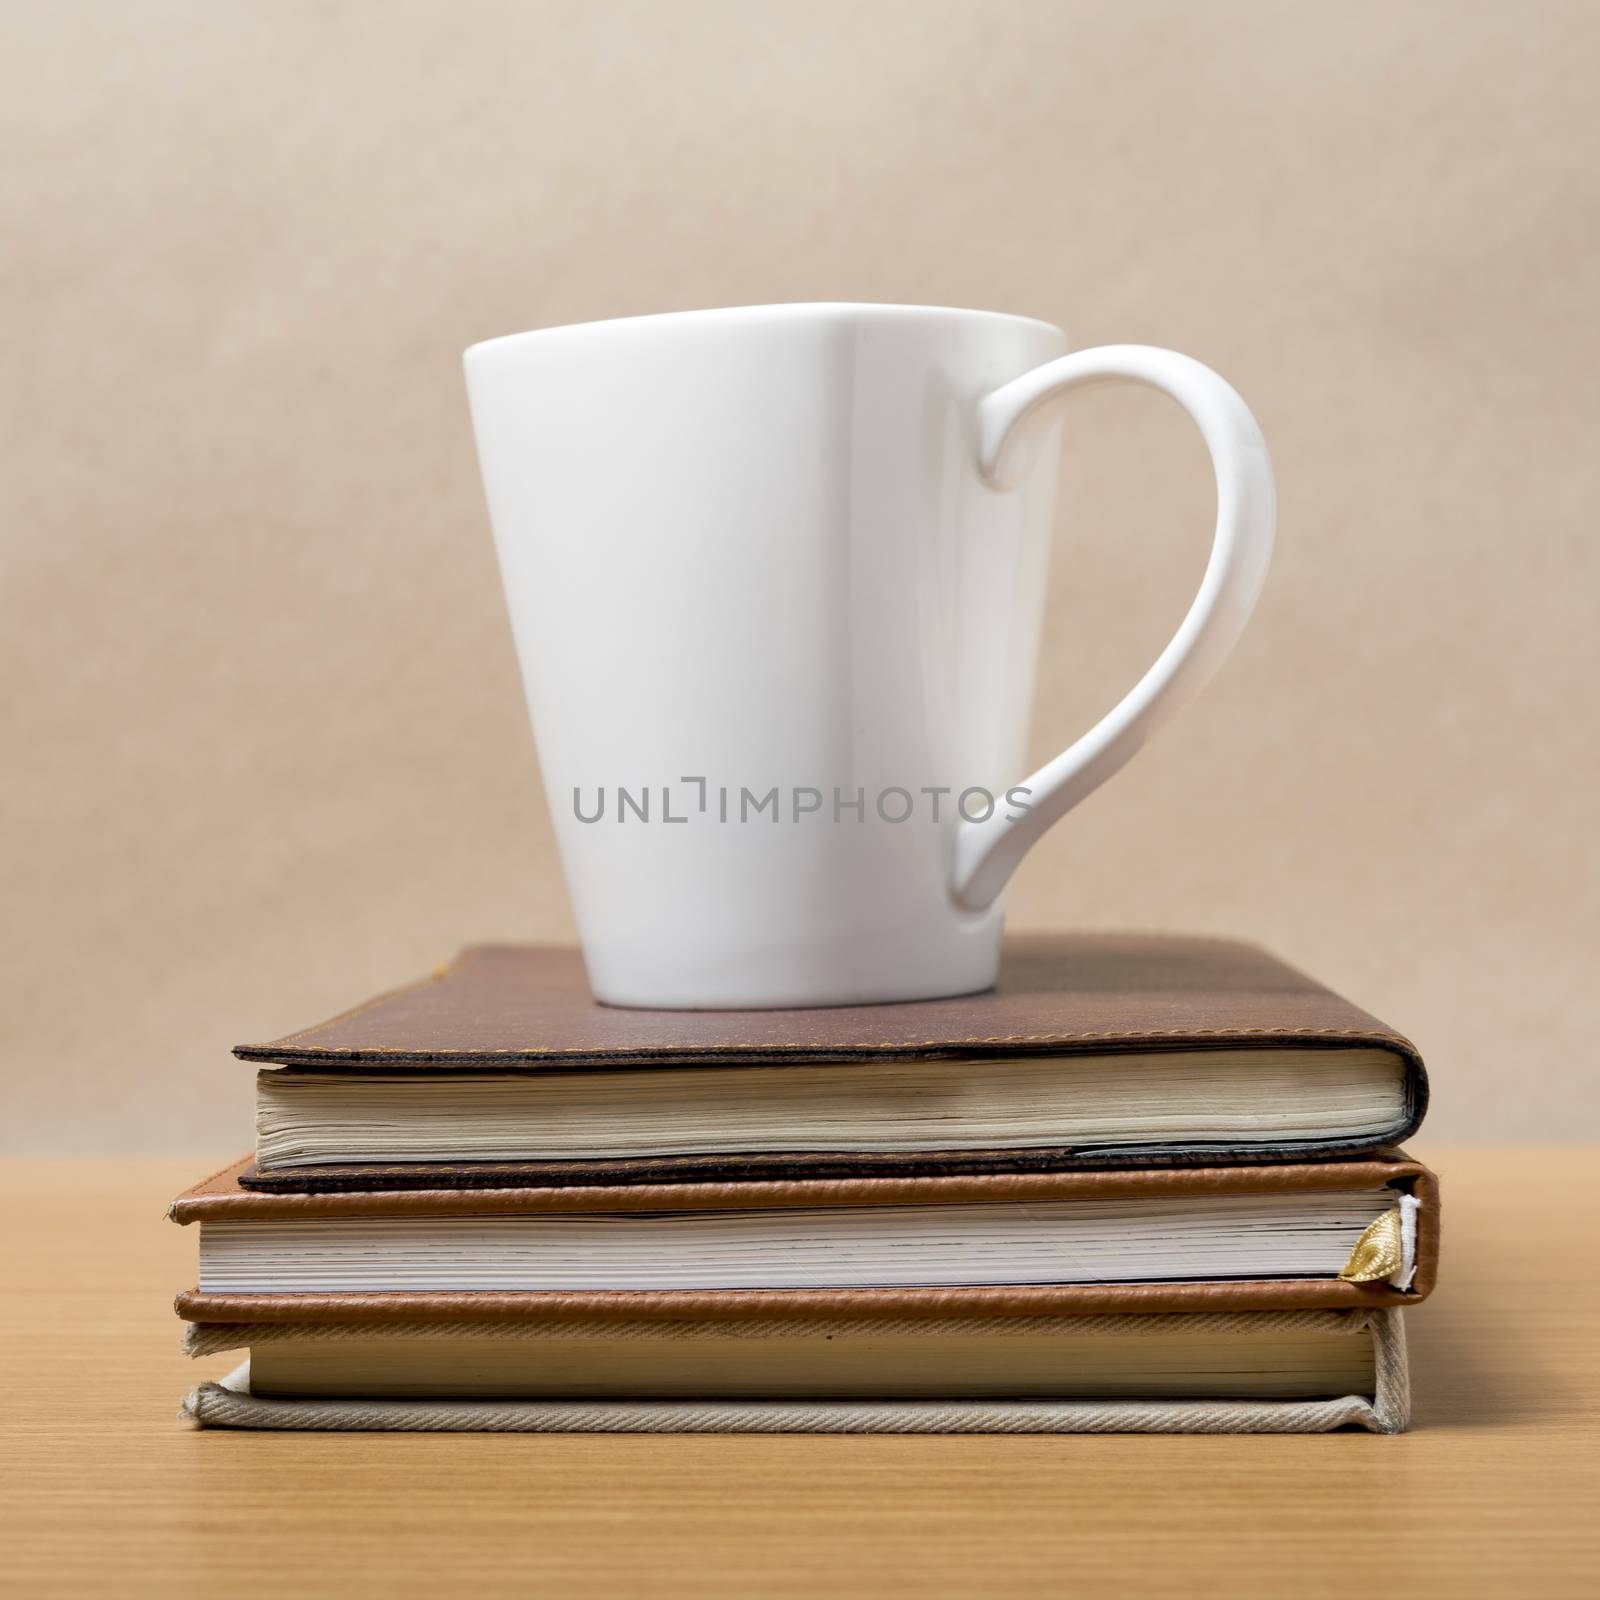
[{"x": 1146, "y": 1183}]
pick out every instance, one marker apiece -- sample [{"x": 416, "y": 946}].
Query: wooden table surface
[{"x": 1494, "y": 1493}]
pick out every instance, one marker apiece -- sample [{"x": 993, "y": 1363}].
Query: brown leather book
[
  {"x": 1097, "y": 1050},
  {"x": 1338, "y": 1235}
]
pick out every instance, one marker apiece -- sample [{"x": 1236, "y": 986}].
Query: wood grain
[{"x": 1494, "y": 1493}]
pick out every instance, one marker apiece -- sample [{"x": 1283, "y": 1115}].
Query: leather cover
[
  {"x": 524, "y": 1008},
  {"x": 221, "y": 1196}
]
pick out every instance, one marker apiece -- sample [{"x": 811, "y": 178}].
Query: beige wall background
[{"x": 264, "y": 742}]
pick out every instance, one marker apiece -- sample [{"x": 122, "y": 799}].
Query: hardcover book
[
  {"x": 1242, "y": 1372},
  {"x": 1269, "y": 1237},
  {"x": 1144, "y": 1184},
  {"x": 1093, "y": 1050}
]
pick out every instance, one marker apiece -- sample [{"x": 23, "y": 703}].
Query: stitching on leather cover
[
  {"x": 231, "y": 1170},
  {"x": 1238, "y": 1294},
  {"x": 444, "y": 970},
  {"x": 767, "y": 1047},
  {"x": 1386, "y": 1168}
]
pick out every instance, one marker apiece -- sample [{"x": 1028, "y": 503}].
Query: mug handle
[{"x": 987, "y": 852}]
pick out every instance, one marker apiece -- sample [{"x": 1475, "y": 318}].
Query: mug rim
[{"x": 791, "y": 308}]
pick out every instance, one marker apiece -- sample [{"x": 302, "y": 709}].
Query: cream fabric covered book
[{"x": 1227, "y": 1372}]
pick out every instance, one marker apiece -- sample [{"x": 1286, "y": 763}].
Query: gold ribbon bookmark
[{"x": 1379, "y": 1252}]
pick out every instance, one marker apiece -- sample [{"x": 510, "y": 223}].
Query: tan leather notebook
[
  {"x": 1342, "y": 1234},
  {"x": 1093, "y": 1049}
]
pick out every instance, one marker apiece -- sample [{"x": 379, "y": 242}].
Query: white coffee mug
[{"x": 776, "y": 577}]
